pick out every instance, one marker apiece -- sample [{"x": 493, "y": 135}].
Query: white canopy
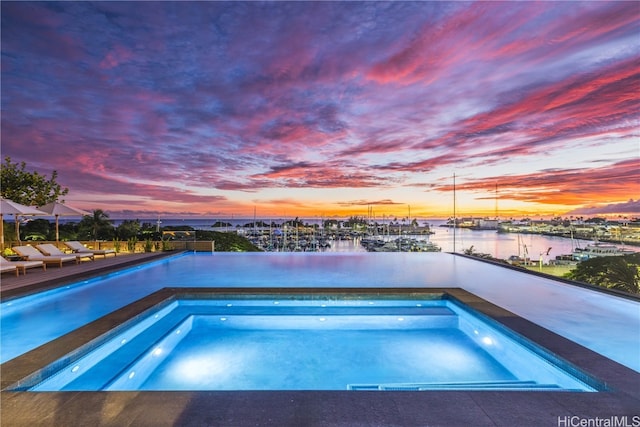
[{"x": 9, "y": 207}]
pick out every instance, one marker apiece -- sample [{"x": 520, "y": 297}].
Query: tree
[
  {"x": 38, "y": 229},
  {"x": 355, "y": 222},
  {"x": 128, "y": 229},
  {"x": 615, "y": 272},
  {"x": 96, "y": 226},
  {"x": 28, "y": 188},
  {"x": 471, "y": 251}
]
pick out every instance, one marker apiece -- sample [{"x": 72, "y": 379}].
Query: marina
[
  {"x": 552, "y": 247},
  {"x": 537, "y": 243}
]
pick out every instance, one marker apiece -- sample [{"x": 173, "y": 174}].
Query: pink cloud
[
  {"x": 115, "y": 57},
  {"x": 249, "y": 96},
  {"x": 566, "y": 187}
]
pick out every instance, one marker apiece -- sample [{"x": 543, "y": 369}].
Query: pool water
[
  {"x": 293, "y": 342},
  {"x": 606, "y": 324}
]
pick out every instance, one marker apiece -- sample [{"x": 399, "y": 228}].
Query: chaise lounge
[
  {"x": 51, "y": 250},
  {"x": 79, "y": 248},
  {"x": 32, "y": 254},
  {"x": 7, "y": 266},
  {"x": 20, "y": 266}
]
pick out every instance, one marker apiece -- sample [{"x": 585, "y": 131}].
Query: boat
[
  {"x": 565, "y": 259},
  {"x": 401, "y": 244},
  {"x": 599, "y": 249},
  {"x": 518, "y": 260}
]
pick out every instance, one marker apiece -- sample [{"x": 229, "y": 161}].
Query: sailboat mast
[
  {"x": 454, "y": 212},
  {"x": 496, "y": 201}
]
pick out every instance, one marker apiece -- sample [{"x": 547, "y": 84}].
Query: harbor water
[
  {"x": 498, "y": 245},
  {"x": 535, "y": 247}
]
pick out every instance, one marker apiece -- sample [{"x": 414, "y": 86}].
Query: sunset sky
[{"x": 326, "y": 108}]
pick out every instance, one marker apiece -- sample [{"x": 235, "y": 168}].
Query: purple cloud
[{"x": 171, "y": 101}]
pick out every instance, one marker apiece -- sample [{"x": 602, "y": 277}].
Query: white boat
[
  {"x": 402, "y": 244},
  {"x": 599, "y": 249}
]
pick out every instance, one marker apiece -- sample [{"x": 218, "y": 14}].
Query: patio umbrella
[
  {"x": 9, "y": 207},
  {"x": 60, "y": 209}
]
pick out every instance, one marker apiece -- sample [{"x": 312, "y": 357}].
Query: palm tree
[{"x": 98, "y": 223}]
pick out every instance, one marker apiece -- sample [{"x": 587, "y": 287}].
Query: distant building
[{"x": 485, "y": 224}]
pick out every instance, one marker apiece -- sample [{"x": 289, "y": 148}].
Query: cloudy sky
[{"x": 326, "y": 108}]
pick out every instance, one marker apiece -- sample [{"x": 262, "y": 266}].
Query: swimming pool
[
  {"x": 606, "y": 324},
  {"x": 209, "y": 339}
]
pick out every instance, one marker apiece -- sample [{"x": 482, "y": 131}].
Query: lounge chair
[
  {"x": 52, "y": 250},
  {"x": 79, "y": 248},
  {"x": 8, "y": 266},
  {"x": 32, "y": 254},
  {"x": 21, "y": 265}
]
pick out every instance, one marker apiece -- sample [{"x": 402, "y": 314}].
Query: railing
[
  {"x": 194, "y": 245},
  {"x": 139, "y": 247}
]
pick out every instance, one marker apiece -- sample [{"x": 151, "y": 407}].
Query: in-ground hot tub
[{"x": 307, "y": 339}]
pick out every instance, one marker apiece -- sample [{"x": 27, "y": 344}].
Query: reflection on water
[{"x": 498, "y": 245}]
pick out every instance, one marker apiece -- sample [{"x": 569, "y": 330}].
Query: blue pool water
[
  {"x": 297, "y": 343},
  {"x": 606, "y": 324}
]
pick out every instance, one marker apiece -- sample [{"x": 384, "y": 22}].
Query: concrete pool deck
[{"x": 312, "y": 408}]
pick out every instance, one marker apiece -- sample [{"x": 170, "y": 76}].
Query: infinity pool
[
  {"x": 606, "y": 324},
  {"x": 199, "y": 341}
]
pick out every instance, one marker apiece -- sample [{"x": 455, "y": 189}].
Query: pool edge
[{"x": 327, "y": 408}]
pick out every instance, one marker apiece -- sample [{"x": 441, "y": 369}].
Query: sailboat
[
  {"x": 568, "y": 259},
  {"x": 518, "y": 259}
]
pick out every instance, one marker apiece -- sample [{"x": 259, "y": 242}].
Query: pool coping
[{"x": 319, "y": 407}]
